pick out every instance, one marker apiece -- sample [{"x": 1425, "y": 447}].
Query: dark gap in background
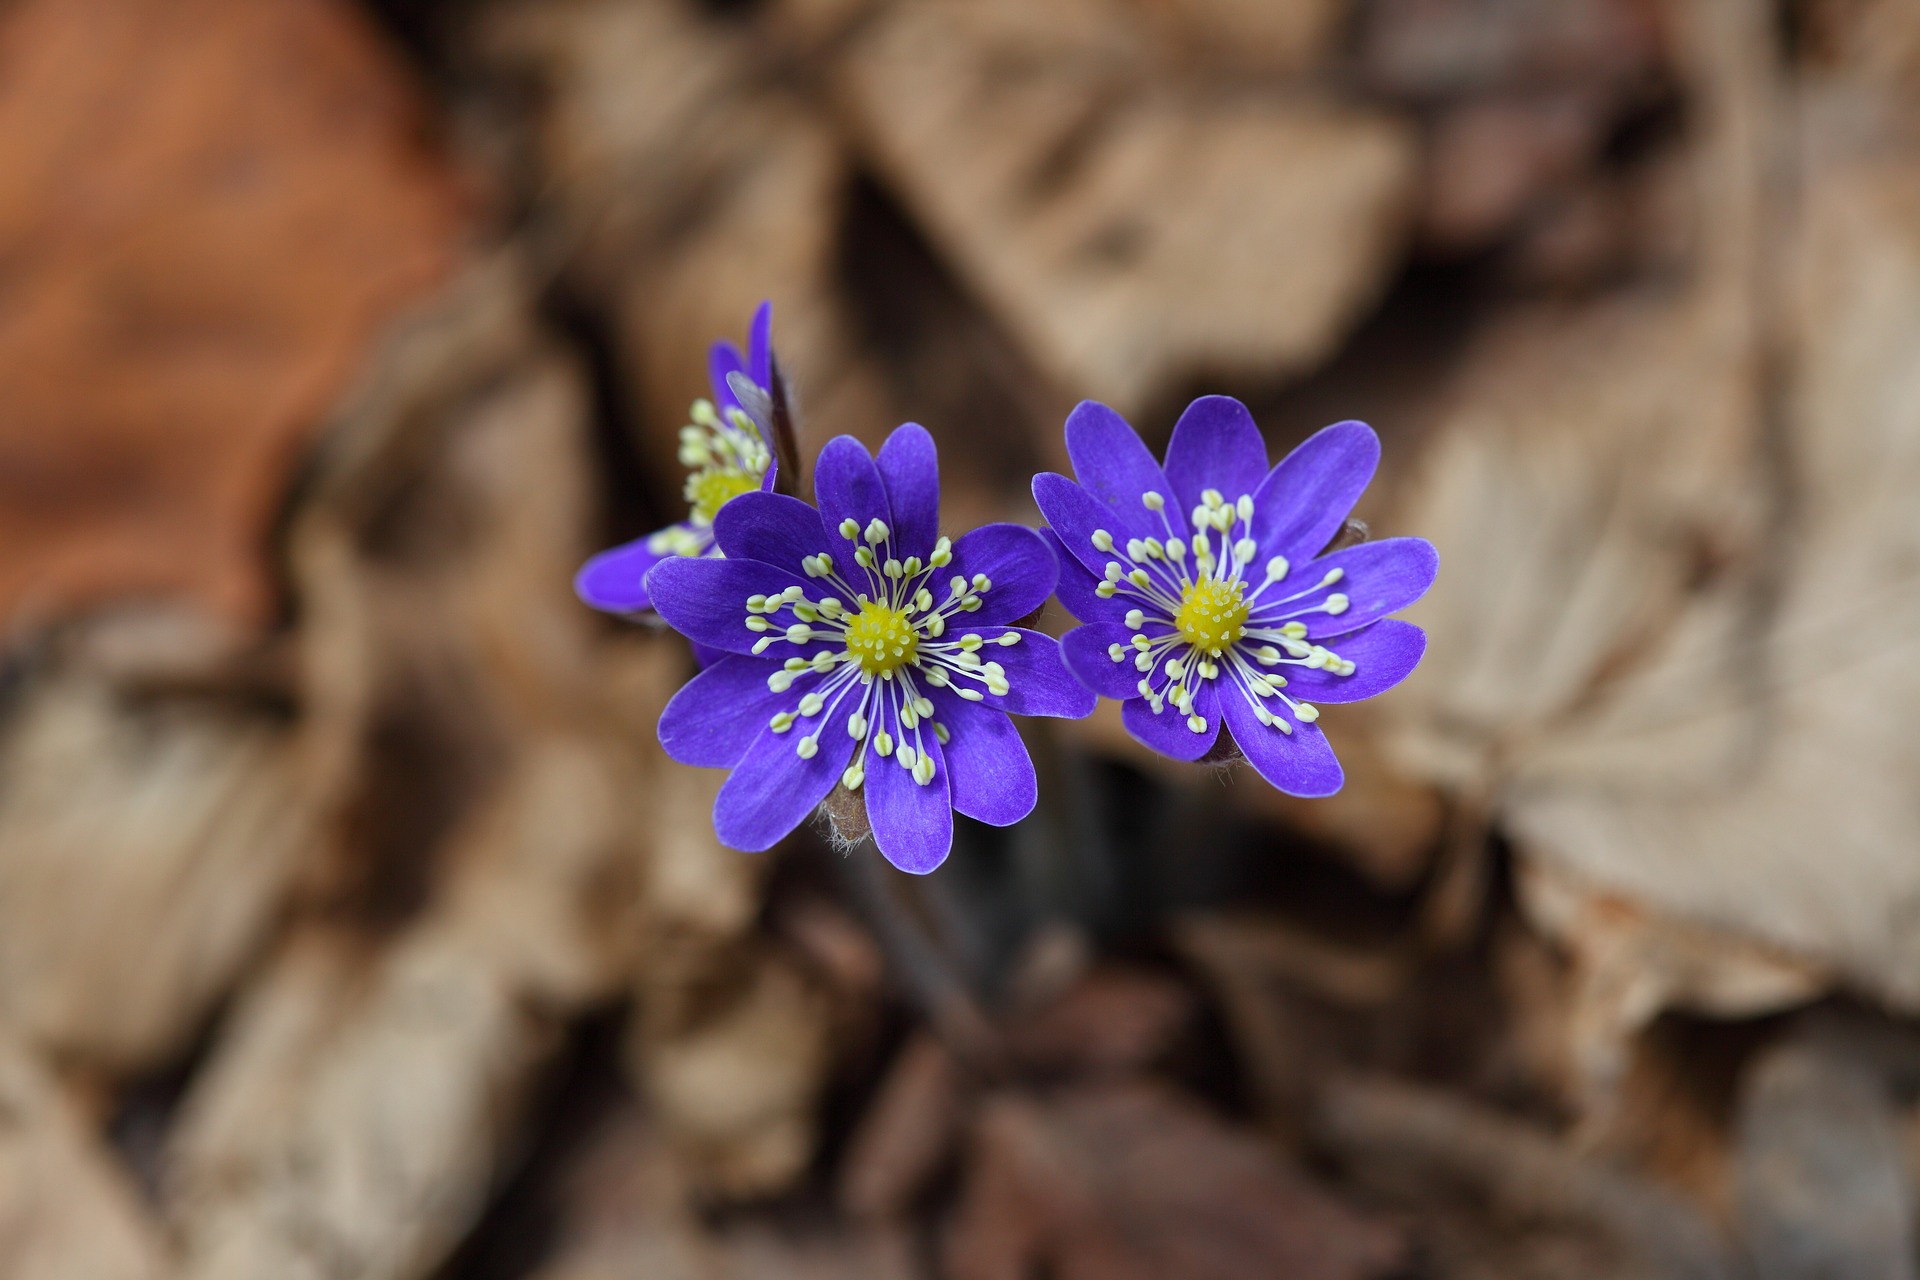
[
  {"x": 1654, "y": 124},
  {"x": 147, "y": 1106},
  {"x": 1390, "y": 370},
  {"x": 581, "y": 1091},
  {"x": 419, "y": 773},
  {"x": 625, "y": 508},
  {"x": 732, "y": 10},
  {"x": 422, "y": 29},
  {"x": 938, "y": 350}
]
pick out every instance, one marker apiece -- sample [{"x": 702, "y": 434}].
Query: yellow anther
[
  {"x": 710, "y": 488},
  {"x": 1212, "y": 614},
  {"x": 881, "y": 639}
]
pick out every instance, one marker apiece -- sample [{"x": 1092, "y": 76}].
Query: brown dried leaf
[
  {"x": 1128, "y": 229},
  {"x": 1112, "y": 1022},
  {"x": 1497, "y": 1198},
  {"x": 209, "y": 209},
  {"x": 1129, "y": 1182},
  {"x": 907, "y": 1131}
]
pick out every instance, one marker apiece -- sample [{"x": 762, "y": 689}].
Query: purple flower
[
  {"x": 1206, "y": 597},
  {"x": 725, "y": 450},
  {"x": 865, "y": 651}
]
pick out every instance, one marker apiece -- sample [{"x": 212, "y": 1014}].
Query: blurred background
[{"x": 353, "y": 927}]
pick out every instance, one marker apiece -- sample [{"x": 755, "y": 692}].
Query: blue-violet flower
[
  {"x": 865, "y": 651},
  {"x": 1205, "y": 595},
  {"x": 726, "y": 452}
]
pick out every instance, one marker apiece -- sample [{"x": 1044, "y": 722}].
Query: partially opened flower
[
  {"x": 1207, "y": 600},
  {"x": 725, "y": 450},
  {"x": 866, "y": 652}
]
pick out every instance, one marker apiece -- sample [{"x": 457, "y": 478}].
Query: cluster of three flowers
[{"x": 848, "y": 644}]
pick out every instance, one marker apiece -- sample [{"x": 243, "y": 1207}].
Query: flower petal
[
  {"x": 910, "y": 468},
  {"x": 616, "y": 579},
  {"x": 1038, "y": 682},
  {"x": 1300, "y": 763},
  {"x": 912, "y": 824},
  {"x": 759, "y": 365},
  {"x": 724, "y": 358},
  {"x": 774, "y": 789},
  {"x": 705, "y": 600},
  {"x": 1085, "y": 650},
  {"x": 716, "y": 716},
  {"x": 990, "y": 774},
  {"x": 1303, "y": 502},
  {"x": 1020, "y": 566},
  {"x": 1112, "y": 461},
  {"x": 705, "y": 655},
  {"x": 1382, "y": 655},
  {"x": 1167, "y": 732},
  {"x": 1215, "y": 445},
  {"x": 1076, "y": 588},
  {"x": 1378, "y": 578},
  {"x": 1076, "y": 515},
  {"x": 847, "y": 486},
  {"x": 773, "y": 529}
]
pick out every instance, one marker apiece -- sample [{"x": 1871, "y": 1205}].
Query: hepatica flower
[
  {"x": 864, "y": 651},
  {"x": 726, "y": 454},
  {"x": 1206, "y": 598}
]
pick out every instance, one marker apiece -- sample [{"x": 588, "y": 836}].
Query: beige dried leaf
[
  {"x": 1722, "y": 737},
  {"x": 67, "y": 1210},
  {"x": 1128, "y": 227},
  {"x": 356, "y": 1110},
  {"x": 735, "y": 1080},
  {"x": 354, "y": 1117},
  {"x": 688, "y": 184},
  {"x": 146, "y": 846},
  {"x": 1804, "y": 835}
]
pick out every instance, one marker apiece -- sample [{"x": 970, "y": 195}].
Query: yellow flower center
[
  {"x": 1211, "y": 614},
  {"x": 711, "y": 488},
  {"x": 881, "y": 639}
]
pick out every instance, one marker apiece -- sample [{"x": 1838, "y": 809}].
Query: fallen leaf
[
  {"x": 67, "y": 1211},
  {"x": 1128, "y": 228},
  {"x": 209, "y": 209},
  {"x": 1130, "y": 1182}
]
